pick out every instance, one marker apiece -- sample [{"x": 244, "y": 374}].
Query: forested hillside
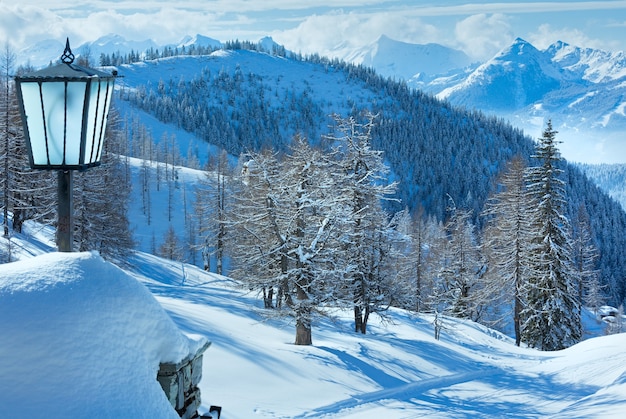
[
  {"x": 245, "y": 100},
  {"x": 611, "y": 178}
]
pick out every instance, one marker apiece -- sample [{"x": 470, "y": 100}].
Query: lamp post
[{"x": 64, "y": 111}]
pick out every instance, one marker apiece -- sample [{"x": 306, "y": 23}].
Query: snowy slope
[
  {"x": 397, "y": 371},
  {"x": 252, "y": 369}
]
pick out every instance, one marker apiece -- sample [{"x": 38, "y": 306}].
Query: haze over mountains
[
  {"x": 401, "y": 60},
  {"x": 582, "y": 90}
]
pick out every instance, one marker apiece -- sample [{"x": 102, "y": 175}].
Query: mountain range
[{"x": 582, "y": 90}]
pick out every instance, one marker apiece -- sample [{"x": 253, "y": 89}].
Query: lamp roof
[{"x": 65, "y": 71}]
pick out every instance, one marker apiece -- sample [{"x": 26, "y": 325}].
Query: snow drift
[{"x": 83, "y": 339}]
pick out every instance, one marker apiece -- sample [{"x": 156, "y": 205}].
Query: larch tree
[
  {"x": 551, "y": 316},
  {"x": 257, "y": 236},
  {"x": 289, "y": 222},
  {"x": 318, "y": 217},
  {"x": 257, "y": 221},
  {"x": 506, "y": 242},
  {"x": 585, "y": 255},
  {"x": 211, "y": 208},
  {"x": 369, "y": 242},
  {"x": 461, "y": 264}
]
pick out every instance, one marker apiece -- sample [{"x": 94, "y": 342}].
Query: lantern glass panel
[
  {"x": 58, "y": 120},
  {"x": 105, "y": 116},
  {"x": 99, "y": 102},
  {"x": 65, "y": 116},
  {"x": 32, "y": 110},
  {"x": 54, "y": 107}
]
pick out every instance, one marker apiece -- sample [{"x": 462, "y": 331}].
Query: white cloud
[
  {"x": 546, "y": 35},
  {"x": 480, "y": 28},
  {"x": 482, "y": 35},
  {"x": 163, "y": 25},
  {"x": 22, "y": 24},
  {"x": 518, "y": 7},
  {"x": 324, "y": 33}
]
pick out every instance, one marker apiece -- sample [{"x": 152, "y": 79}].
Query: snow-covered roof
[{"x": 81, "y": 338}]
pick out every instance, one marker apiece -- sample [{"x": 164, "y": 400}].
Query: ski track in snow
[{"x": 405, "y": 392}]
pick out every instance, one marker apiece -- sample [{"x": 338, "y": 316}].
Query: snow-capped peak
[
  {"x": 520, "y": 47},
  {"x": 516, "y": 77},
  {"x": 520, "y": 51},
  {"x": 110, "y": 39},
  {"x": 268, "y": 44},
  {"x": 590, "y": 64},
  {"x": 403, "y": 60},
  {"x": 116, "y": 43},
  {"x": 199, "y": 41}
]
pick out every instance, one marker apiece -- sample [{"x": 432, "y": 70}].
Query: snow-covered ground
[{"x": 53, "y": 321}]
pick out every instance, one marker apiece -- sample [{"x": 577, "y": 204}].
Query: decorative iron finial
[{"x": 68, "y": 56}]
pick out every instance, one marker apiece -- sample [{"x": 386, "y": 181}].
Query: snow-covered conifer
[{"x": 551, "y": 317}]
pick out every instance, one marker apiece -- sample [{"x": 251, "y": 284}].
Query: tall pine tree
[{"x": 551, "y": 317}]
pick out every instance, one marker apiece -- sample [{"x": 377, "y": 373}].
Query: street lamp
[{"x": 64, "y": 112}]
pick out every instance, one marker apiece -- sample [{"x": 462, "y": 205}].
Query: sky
[{"x": 479, "y": 28}]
